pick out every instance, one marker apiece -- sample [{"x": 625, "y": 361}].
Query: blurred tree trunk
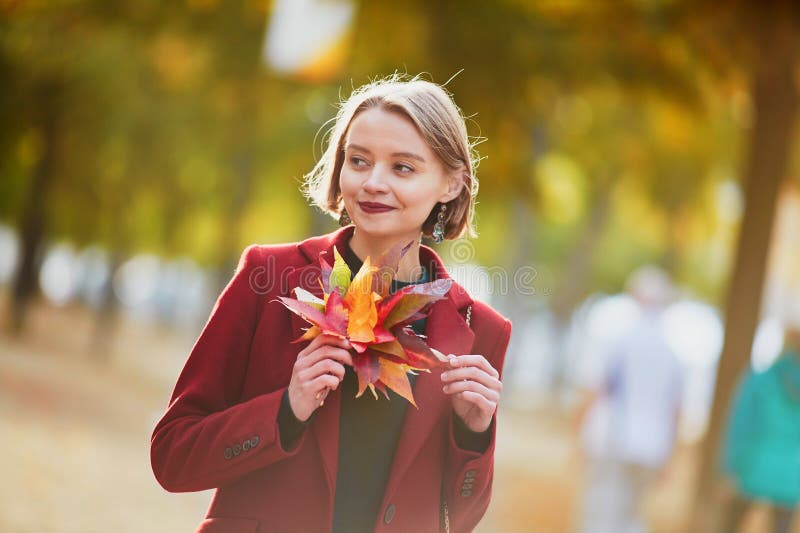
[
  {"x": 33, "y": 216},
  {"x": 107, "y": 315},
  {"x": 775, "y": 100}
]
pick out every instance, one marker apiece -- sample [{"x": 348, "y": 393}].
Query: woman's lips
[{"x": 374, "y": 208}]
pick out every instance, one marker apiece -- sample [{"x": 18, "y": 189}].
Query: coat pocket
[{"x": 228, "y": 525}]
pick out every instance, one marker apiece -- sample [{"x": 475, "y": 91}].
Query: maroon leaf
[
  {"x": 418, "y": 352},
  {"x": 416, "y": 316},
  {"x": 325, "y": 274},
  {"x": 367, "y": 368},
  {"x": 387, "y": 265},
  {"x": 409, "y": 300},
  {"x": 381, "y": 387}
]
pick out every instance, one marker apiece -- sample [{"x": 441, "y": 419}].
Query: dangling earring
[
  {"x": 344, "y": 218},
  {"x": 438, "y": 228}
]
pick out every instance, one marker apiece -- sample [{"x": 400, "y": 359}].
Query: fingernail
[
  {"x": 444, "y": 375},
  {"x": 454, "y": 361}
]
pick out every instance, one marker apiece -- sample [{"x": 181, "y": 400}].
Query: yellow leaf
[{"x": 310, "y": 333}]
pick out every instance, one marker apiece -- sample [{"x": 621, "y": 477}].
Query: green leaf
[{"x": 340, "y": 275}]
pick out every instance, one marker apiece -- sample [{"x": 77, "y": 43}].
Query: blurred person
[
  {"x": 275, "y": 427},
  {"x": 627, "y": 426},
  {"x": 761, "y": 449}
]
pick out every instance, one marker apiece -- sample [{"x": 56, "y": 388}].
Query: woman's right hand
[{"x": 319, "y": 369}]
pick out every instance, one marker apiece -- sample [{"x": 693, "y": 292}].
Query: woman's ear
[{"x": 455, "y": 182}]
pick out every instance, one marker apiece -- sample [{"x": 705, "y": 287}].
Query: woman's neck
[{"x": 409, "y": 268}]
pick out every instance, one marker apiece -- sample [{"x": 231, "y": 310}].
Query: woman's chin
[{"x": 382, "y": 230}]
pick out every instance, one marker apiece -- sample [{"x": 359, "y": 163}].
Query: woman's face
[{"x": 386, "y": 162}]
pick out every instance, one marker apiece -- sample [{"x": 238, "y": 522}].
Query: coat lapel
[
  {"x": 449, "y": 333},
  {"x": 446, "y": 330}
]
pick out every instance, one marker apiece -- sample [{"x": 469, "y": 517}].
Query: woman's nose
[{"x": 376, "y": 181}]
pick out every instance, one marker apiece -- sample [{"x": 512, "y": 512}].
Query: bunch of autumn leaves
[{"x": 385, "y": 349}]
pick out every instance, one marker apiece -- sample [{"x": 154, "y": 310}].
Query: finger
[
  {"x": 472, "y": 386},
  {"x": 326, "y": 366},
  {"x": 321, "y": 395},
  {"x": 472, "y": 373},
  {"x": 326, "y": 352},
  {"x": 322, "y": 340},
  {"x": 473, "y": 360},
  {"x": 487, "y": 407},
  {"x": 323, "y": 382}
]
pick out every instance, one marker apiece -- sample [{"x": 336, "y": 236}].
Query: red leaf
[
  {"x": 360, "y": 347},
  {"x": 336, "y": 312},
  {"x": 306, "y": 311},
  {"x": 382, "y": 335},
  {"x": 333, "y": 324}
]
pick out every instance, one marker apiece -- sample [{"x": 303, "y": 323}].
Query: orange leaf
[
  {"x": 361, "y": 305},
  {"x": 394, "y": 376}
]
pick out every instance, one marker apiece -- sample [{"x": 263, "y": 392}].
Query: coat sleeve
[
  {"x": 207, "y": 438},
  {"x": 468, "y": 474}
]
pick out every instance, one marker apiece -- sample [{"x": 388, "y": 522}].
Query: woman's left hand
[{"x": 474, "y": 387}]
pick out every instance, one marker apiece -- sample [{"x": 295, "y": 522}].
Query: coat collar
[
  {"x": 446, "y": 330},
  {"x": 323, "y": 245}
]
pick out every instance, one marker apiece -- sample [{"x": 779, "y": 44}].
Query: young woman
[{"x": 275, "y": 427}]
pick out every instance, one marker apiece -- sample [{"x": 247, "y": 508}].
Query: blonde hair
[{"x": 439, "y": 122}]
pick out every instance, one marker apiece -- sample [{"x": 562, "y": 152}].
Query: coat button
[
  {"x": 228, "y": 453},
  {"x": 389, "y": 514},
  {"x": 246, "y": 445},
  {"x": 254, "y": 441},
  {"x": 466, "y": 493},
  {"x": 237, "y": 449},
  {"x": 470, "y": 473}
]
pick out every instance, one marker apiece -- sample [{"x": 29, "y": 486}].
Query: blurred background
[{"x": 144, "y": 144}]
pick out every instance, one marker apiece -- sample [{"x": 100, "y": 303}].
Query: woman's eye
[
  {"x": 357, "y": 162},
  {"x": 405, "y": 169}
]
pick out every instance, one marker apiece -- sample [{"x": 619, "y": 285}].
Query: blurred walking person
[
  {"x": 761, "y": 458},
  {"x": 628, "y": 424}
]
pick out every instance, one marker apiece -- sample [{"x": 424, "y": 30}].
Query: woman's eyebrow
[{"x": 410, "y": 155}]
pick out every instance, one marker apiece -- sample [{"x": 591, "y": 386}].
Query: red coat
[{"x": 220, "y": 429}]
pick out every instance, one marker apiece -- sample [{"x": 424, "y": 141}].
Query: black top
[{"x": 369, "y": 431}]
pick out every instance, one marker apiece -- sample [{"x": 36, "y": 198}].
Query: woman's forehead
[{"x": 377, "y": 130}]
